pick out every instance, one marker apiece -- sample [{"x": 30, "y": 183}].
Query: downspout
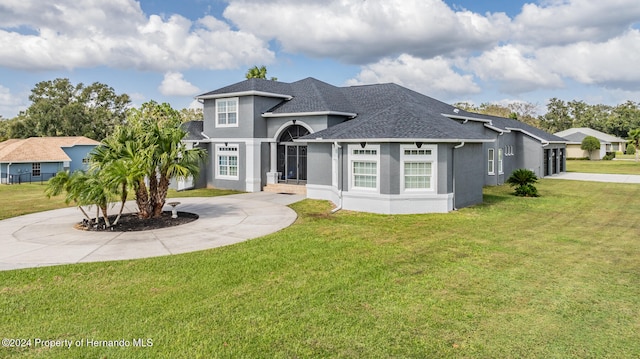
[
  {"x": 8, "y": 172},
  {"x": 453, "y": 170},
  {"x": 340, "y": 178}
]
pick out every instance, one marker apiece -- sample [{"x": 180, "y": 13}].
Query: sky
[{"x": 476, "y": 51}]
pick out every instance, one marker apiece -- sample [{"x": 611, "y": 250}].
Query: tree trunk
[
  {"x": 105, "y": 215},
  {"x": 153, "y": 194},
  {"x": 161, "y": 195},
  {"x": 124, "y": 200},
  {"x": 142, "y": 200}
]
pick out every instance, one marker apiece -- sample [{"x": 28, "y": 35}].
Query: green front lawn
[
  {"x": 29, "y": 198},
  {"x": 549, "y": 277},
  {"x": 615, "y": 167}
]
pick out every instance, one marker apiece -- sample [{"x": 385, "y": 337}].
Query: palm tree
[
  {"x": 67, "y": 183},
  {"x": 523, "y": 180},
  {"x": 257, "y": 72},
  {"x": 634, "y": 137}
]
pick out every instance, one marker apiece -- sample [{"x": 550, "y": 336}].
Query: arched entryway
[{"x": 292, "y": 156}]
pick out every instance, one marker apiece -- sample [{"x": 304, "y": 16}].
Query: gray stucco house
[{"x": 376, "y": 148}]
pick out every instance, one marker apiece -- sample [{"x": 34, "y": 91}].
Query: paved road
[
  {"x": 596, "y": 177},
  {"x": 48, "y": 238}
]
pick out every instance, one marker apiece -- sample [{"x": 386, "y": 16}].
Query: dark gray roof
[
  {"x": 390, "y": 111},
  {"x": 261, "y": 85},
  {"x": 508, "y": 123},
  {"x": 311, "y": 95},
  {"x": 194, "y": 130}
]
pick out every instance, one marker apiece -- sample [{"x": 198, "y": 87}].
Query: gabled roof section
[
  {"x": 40, "y": 149},
  {"x": 194, "y": 130},
  {"x": 577, "y": 134},
  {"x": 391, "y": 112},
  {"x": 509, "y": 124},
  {"x": 314, "y": 96},
  {"x": 257, "y": 87}
]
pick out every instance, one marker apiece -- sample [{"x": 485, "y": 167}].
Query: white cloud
[
  {"x": 174, "y": 84},
  {"x": 516, "y": 70},
  {"x": 561, "y": 22},
  {"x": 70, "y": 34},
  {"x": 9, "y": 102},
  {"x": 433, "y": 77},
  {"x": 612, "y": 63},
  {"x": 364, "y": 31}
]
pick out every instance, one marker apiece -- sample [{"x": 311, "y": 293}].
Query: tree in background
[
  {"x": 634, "y": 138},
  {"x": 589, "y": 144},
  {"x": 521, "y": 111},
  {"x": 191, "y": 114},
  {"x": 258, "y": 73},
  {"x": 59, "y": 108}
]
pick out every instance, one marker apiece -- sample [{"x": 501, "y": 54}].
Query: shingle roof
[
  {"x": 258, "y": 85},
  {"x": 578, "y": 134},
  {"x": 194, "y": 130},
  {"x": 40, "y": 149},
  {"x": 507, "y": 124},
  {"x": 390, "y": 111},
  {"x": 311, "y": 95}
]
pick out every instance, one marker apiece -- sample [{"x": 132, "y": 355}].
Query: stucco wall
[{"x": 77, "y": 154}]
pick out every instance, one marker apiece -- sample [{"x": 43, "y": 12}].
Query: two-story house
[{"x": 377, "y": 148}]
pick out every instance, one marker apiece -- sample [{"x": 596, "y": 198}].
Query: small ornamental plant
[{"x": 523, "y": 180}]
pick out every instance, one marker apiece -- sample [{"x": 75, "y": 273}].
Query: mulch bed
[{"x": 130, "y": 222}]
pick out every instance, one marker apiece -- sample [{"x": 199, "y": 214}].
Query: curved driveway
[{"x": 48, "y": 238}]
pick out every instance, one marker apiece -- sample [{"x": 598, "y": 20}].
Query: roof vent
[{"x": 455, "y": 110}]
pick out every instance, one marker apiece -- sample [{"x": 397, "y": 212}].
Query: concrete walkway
[
  {"x": 48, "y": 238},
  {"x": 596, "y": 177}
]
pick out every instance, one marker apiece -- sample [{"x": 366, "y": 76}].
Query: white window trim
[
  {"x": 219, "y": 152},
  {"x": 364, "y": 158},
  {"x": 432, "y": 158},
  {"x": 228, "y": 99},
  {"x": 491, "y": 165},
  {"x": 500, "y": 160}
]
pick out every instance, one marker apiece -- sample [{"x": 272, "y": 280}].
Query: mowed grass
[
  {"x": 550, "y": 277},
  {"x": 615, "y": 167},
  {"x": 29, "y": 198}
]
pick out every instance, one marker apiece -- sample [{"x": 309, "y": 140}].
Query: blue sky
[{"x": 498, "y": 51}]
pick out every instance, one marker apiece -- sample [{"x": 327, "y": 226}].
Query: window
[
  {"x": 227, "y": 162},
  {"x": 227, "y": 112},
  {"x": 490, "y": 159},
  {"x": 500, "y": 160},
  {"x": 364, "y": 169},
  {"x": 35, "y": 169},
  {"x": 418, "y": 167}
]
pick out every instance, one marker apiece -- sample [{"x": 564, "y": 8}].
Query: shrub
[
  {"x": 631, "y": 149},
  {"x": 523, "y": 179},
  {"x": 609, "y": 156}
]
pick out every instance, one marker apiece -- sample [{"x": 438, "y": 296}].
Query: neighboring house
[
  {"x": 608, "y": 143},
  {"x": 376, "y": 148},
  {"x": 40, "y": 158}
]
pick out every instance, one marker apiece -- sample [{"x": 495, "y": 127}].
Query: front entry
[{"x": 292, "y": 156}]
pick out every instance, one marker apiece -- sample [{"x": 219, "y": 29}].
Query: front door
[
  {"x": 292, "y": 156},
  {"x": 292, "y": 163}
]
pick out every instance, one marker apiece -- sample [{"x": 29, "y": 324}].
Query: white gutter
[
  {"x": 8, "y": 171},
  {"x": 339, "y": 181},
  {"x": 244, "y": 93},
  {"x": 465, "y": 118},
  {"x": 453, "y": 165},
  {"x": 543, "y": 141},
  {"x": 426, "y": 140},
  {"x": 316, "y": 113}
]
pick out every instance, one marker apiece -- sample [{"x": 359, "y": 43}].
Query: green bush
[
  {"x": 609, "y": 156},
  {"x": 523, "y": 179},
  {"x": 631, "y": 149}
]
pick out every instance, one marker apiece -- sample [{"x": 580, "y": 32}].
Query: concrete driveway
[
  {"x": 48, "y": 238},
  {"x": 596, "y": 177}
]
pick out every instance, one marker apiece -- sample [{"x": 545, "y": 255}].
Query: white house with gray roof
[
  {"x": 376, "y": 148},
  {"x": 574, "y": 137}
]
